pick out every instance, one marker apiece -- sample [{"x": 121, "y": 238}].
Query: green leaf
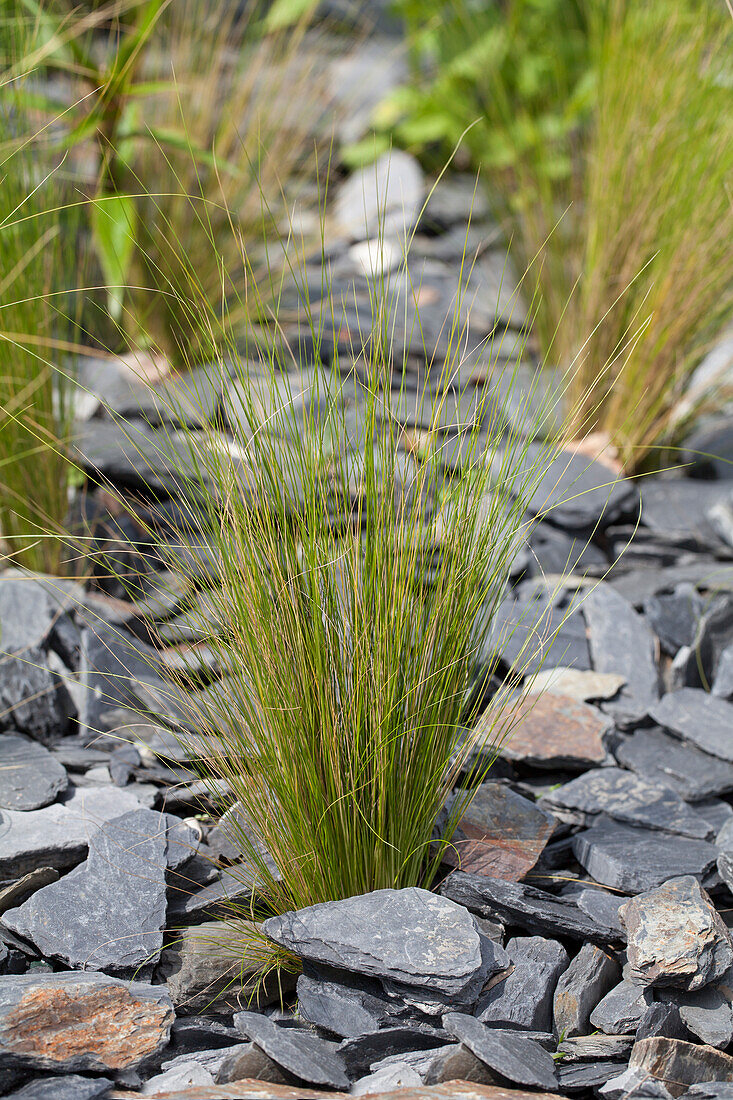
[
  {"x": 180, "y": 141},
  {"x": 114, "y": 220},
  {"x": 284, "y": 13}
]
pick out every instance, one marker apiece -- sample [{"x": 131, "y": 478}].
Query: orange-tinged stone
[
  {"x": 78, "y": 1021},
  {"x": 553, "y": 730}
]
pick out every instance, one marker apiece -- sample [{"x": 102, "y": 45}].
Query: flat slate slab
[
  {"x": 514, "y": 1056},
  {"x": 502, "y": 834},
  {"x": 300, "y": 1052},
  {"x": 367, "y": 934},
  {"x": 555, "y": 731},
  {"x": 699, "y": 718},
  {"x": 526, "y": 907},
  {"x": 635, "y": 860},
  {"x": 29, "y": 614},
  {"x": 30, "y": 777},
  {"x": 74, "y": 1022},
  {"x": 108, "y": 913},
  {"x": 345, "y": 1004},
  {"x": 622, "y": 1009},
  {"x": 577, "y": 492},
  {"x": 73, "y": 1087},
  {"x": 692, "y": 774},
  {"x": 628, "y": 797},
  {"x": 536, "y": 628},
  {"x": 621, "y": 642}
]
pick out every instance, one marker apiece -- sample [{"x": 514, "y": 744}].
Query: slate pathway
[{"x": 578, "y": 944}]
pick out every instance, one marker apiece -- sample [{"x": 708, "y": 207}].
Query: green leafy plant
[{"x": 186, "y": 117}]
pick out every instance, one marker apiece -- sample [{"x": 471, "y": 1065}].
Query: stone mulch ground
[{"x": 583, "y": 947}]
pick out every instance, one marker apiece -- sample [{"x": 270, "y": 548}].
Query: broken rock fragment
[{"x": 676, "y": 937}]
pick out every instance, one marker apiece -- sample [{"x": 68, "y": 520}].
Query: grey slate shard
[
  {"x": 634, "y": 1084},
  {"x": 629, "y": 798},
  {"x": 706, "y": 1013},
  {"x": 514, "y": 1056},
  {"x": 621, "y": 641},
  {"x": 522, "y": 906},
  {"x": 455, "y": 1062},
  {"x": 196, "y": 1033},
  {"x": 680, "y": 505},
  {"x": 596, "y": 903},
  {"x": 523, "y": 999},
  {"x": 108, "y": 913},
  {"x": 692, "y": 774},
  {"x": 676, "y": 937},
  {"x": 622, "y": 1009},
  {"x": 48, "y": 837},
  {"x": 590, "y": 976},
  {"x": 120, "y": 671},
  {"x": 33, "y": 699},
  {"x": 696, "y": 717},
  {"x": 444, "y": 949},
  {"x": 247, "y": 1060},
  {"x": 714, "y": 634},
  {"x": 556, "y": 552},
  {"x": 360, "y": 1052},
  {"x": 186, "y": 1075},
  {"x": 73, "y": 1087},
  {"x": 297, "y": 1051},
  {"x": 712, "y": 1090},
  {"x": 579, "y": 1076},
  {"x": 717, "y": 813},
  {"x": 41, "y": 1014},
  {"x": 189, "y": 905},
  {"x": 535, "y": 627},
  {"x": 674, "y": 615},
  {"x": 33, "y": 615},
  {"x": 345, "y": 1004},
  {"x": 30, "y": 777},
  {"x": 662, "y": 1019},
  {"x": 634, "y": 860}
]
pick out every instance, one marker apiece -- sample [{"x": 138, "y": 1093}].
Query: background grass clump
[
  {"x": 357, "y": 573},
  {"x": 603, "y": 132},
  {"x": 188, "y": 130},
  {"x": 38, "y": 310}
]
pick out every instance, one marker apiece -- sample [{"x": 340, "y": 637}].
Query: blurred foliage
[
  {"x": 178, "y": 121},
  {"x": 602, "y": 131},
  {"x": 520, "y": 69}
]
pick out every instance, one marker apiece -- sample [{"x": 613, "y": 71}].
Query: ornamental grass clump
[
  {"x": 357, "y": 569},
  {"x": 602, "y": 129},
  {"x": 657, "y": 269}
]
